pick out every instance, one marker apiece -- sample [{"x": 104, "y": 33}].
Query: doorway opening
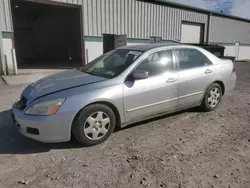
[
  {"x": 47, "y": 36},
  {"x": 192, "y": 33},
  {"x": 112, "y": 41}
]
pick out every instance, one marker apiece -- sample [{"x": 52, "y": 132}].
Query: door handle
[
  {"x": 171, "y": 80},
  {"x": 208, "y": 71}
]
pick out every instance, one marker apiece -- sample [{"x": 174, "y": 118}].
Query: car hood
[{"x": 58, "y": 82}]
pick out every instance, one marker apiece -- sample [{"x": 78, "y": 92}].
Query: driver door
[{"x": 156, "y": 94}]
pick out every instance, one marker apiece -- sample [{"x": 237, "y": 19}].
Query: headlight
[{"x": 45, "y": 108}]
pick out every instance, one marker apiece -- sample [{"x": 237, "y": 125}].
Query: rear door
[{"x": 196, "y": 72}]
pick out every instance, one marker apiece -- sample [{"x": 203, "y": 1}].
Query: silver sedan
[{"x": 121, "y": 87}]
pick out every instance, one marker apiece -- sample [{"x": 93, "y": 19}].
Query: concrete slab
[{"x": 28, "y": 76}]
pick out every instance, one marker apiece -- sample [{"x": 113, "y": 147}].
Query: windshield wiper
[
  {"x": 91, "y": 73},
  {"x": 98, "y": 75}
]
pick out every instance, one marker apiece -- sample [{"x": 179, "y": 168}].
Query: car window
[
  {"x": 157, "y": 63},
  {"x": 205, "y": 59},
  {"x": 189, "y": 58},
  {"x": 112, "y": 63}
]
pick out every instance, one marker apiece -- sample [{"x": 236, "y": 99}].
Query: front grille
[{"x": 21, "y": 105}]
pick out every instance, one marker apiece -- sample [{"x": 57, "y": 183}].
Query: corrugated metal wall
[
  {"x": 141, "y": 20},
  {"x": 5, "y": 16},
  {"x": 226, "y": 30},
  {"x": 137, "y": 19}
]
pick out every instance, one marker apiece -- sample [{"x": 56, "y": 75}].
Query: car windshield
[{"x": 112, "y": 63}]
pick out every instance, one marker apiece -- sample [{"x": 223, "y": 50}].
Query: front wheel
[
  {"x": 212, "y": 97},
  {"x": 94, "y": 124}
]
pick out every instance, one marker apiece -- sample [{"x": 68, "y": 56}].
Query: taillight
[{"x": 234, "y": 70}]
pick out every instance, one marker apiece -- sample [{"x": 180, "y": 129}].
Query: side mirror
[{"x": 140, "y": 74}]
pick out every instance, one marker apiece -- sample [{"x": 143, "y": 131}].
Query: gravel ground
[{"x": 187, "y": 149}]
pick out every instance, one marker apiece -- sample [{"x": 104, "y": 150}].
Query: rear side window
[
  {"x": 206, "y": 60},
  {"x": 189, "y": 58}
]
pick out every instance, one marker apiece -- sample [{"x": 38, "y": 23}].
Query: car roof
[{"x": 146, "y": 47}]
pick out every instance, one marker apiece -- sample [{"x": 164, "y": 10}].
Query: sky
[{"x": 240, "y": 8}]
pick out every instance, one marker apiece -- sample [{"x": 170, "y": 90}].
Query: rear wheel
[
  {"x": 94, "y": 124},
  {"x": 212, "y": 97}
]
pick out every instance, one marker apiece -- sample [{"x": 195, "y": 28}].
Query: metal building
[{"x": 72, "y": 31}]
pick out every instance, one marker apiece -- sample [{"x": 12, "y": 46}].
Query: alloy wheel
[
  {"x": 214, "y": 97},
  {"x": 96, "y": 125}
]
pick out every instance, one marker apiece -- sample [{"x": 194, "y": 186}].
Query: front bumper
[{"x": 47, "y": 129}]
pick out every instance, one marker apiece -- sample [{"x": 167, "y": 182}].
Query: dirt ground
[{"x": 189, "y": 149}]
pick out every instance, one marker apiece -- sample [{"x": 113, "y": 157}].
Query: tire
[
  {"x": 212, "y": 94},
  {"x": 94, "y": 124}
]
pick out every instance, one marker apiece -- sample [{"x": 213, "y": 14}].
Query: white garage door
[{"x": 190, "y": 33}]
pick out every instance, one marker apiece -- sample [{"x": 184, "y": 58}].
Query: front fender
[{"x": 79, "y": 100}]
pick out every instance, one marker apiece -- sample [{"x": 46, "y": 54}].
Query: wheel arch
[
  {"x": 107, "y": 103},
  {"x": 222, "y": 85}
]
